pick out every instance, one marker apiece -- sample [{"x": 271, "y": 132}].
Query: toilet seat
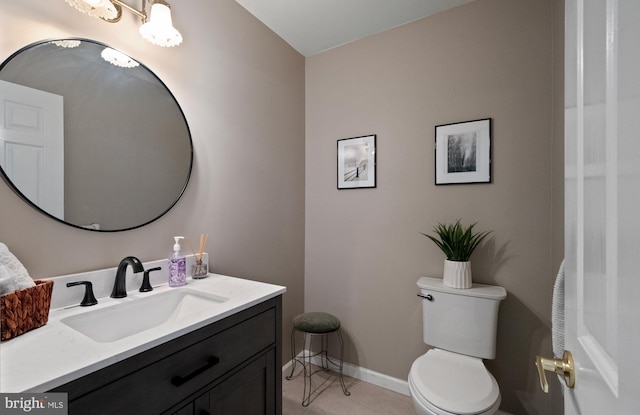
[{"x": 450, "y": 383}]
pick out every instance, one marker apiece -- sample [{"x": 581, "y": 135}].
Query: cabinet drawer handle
[{"x": 181, "y": 380}]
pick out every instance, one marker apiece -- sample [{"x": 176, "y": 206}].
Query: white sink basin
[{"x": 124, "y": 319}]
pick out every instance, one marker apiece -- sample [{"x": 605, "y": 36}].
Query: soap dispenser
[{"x": 177, "y": 265}]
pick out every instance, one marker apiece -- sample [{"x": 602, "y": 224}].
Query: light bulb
[{"x": 159, "y": 28}]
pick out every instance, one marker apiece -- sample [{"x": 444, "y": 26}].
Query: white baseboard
[{"x": 365, "y": 375}]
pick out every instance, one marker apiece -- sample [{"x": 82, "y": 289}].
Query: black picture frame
[
  {"x": 357, "y": 162},
  {"x": 463, "y": 152}
]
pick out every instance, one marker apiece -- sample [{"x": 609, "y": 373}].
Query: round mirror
[{"x": 91, "y": 137}]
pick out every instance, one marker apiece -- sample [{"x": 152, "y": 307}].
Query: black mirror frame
[{"x": 11, "y": 185}]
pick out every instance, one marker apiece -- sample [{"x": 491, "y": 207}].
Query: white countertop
[{"x": 55, "y": 354}]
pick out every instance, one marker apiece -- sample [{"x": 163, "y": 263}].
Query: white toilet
[{"x": 461, "y": 324}]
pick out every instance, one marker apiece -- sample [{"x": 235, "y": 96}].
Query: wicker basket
[{"x": 25, "y": 310}]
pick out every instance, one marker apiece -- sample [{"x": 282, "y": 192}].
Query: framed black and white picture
[
  {"x": 463, "y": 152},
  {"x": 357, "y": 162}
]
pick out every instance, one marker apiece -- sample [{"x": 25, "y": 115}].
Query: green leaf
[{"x": 456, "y": 241}]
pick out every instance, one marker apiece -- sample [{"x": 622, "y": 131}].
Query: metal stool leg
[
  {"x": 344, "y": 387},
  {"x": 306, "y": 358},
  {"x": 306, "y": 366},
  {"x": 293, "y": 353},
  {"x": 307, "y": 371},
  {"x": 324, "y": 358}
]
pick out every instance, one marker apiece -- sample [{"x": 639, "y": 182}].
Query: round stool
[{"x": 315, "y": 324}]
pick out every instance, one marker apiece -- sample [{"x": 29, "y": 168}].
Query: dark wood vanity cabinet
[
  {"x": 232, "y": 366},
  {"x": 249, "y": 391}
]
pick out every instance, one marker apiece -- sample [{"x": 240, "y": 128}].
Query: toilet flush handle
[
  {"x": 563, "y": 367},
  {"x": 428, "y": 296}
]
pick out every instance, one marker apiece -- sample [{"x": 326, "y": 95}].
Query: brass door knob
[{"x": 563, "y": 367}]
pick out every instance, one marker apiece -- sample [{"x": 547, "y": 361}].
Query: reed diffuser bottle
[{"x": 200, "y": 270}]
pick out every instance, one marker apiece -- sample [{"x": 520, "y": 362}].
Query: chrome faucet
[{"x": 120, "y": 285}]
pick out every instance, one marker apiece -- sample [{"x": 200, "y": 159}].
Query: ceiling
[{"x": 313, "y": 26}]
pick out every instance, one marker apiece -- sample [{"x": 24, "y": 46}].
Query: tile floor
[{"x": 328, "y": 399}]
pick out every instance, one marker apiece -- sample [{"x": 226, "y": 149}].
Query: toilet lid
[{"x": 455, "y": 383}]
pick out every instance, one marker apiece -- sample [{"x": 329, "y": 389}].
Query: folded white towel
[
  {"x": 17, "y": 274},
  {"x": 6, "y": 282}
]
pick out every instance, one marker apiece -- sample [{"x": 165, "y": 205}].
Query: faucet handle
[
  {"x": 89, "y": 298},
  {"x": 146, "y": 286}
]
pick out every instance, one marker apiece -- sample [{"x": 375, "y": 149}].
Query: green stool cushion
[{"x": 316, "y": 322}]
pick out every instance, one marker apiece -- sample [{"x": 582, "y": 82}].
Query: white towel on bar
[
  {"x": 557, "y": 314},
  {"x": 13, "y": 275}
]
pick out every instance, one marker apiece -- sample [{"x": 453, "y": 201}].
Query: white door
[
  {"x": 602, "y": 205},
  {"x": 32, "y": 144}
]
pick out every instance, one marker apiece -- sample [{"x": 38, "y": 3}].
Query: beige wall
[
  {"x": 242, "y": 91},
  {"x": 364, "y": 251}
]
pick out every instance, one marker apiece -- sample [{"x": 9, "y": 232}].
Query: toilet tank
[{"x": 461, "y": 320}]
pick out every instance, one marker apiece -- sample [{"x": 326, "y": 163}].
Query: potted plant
[{"x": 458, "y": 243}]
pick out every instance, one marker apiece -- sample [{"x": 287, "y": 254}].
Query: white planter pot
[{"x": 457, "y": 274}]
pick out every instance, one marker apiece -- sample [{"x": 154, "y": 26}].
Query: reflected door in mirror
[{"x": 32, "y": 144}]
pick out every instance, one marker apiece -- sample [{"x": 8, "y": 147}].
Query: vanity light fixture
[
  {"x": 157, "y": 26},
  {"x": 103, "y": 9}
]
